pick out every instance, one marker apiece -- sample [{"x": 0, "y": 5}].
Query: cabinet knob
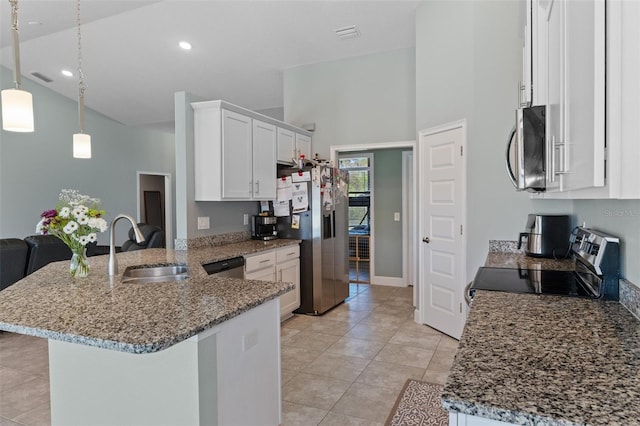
[{"x": 426, "y": 240}]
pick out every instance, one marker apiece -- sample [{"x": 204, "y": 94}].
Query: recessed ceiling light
[
  {"x": 348, "y": 32},
  {"x": 185, "y": 45},
  {"x": 67, "y": 73}
]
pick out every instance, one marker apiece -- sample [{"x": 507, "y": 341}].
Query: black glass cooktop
[{"x": 562, "y": 283}]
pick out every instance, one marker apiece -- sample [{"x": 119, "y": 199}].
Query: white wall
[
  {"x": 359, "y": 100},
  {"x": 468, "y": 64},
  {"x": 34, "y": 167}
]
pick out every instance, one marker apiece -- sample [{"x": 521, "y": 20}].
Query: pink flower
[{"x": 49, "y": 214}]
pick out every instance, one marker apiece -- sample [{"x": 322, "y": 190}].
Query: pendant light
[
  {"x": 82, "y": 140},
  {"x": 17, "y": 104}
]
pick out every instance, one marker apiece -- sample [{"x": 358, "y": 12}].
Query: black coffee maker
[{"x": 263, "y": 228}]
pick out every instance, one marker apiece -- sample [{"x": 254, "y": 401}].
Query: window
[{"x": 359, "y": 169}]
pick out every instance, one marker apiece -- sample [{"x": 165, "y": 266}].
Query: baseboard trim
[{"x": 389, "y": 281}]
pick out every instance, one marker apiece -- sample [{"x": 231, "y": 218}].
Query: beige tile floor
[
  {"x": 343, "y": 368},
  {"x": 348, "y": 366}
]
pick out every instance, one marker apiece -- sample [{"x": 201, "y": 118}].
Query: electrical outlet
[
  {"x": 203, "y": 222},
  {"x": 246, "y": 219},
  {"x": 396, "y": 216},
  {"x": 249, "y": 340}
]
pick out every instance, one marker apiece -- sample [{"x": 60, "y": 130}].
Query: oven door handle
[{"x": 467, "y": 296}]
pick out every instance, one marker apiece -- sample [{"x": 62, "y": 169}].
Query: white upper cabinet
[
  {"x": 525, "y": 90},
  {"x": 575, "y": 93},
  {"x": 235, "y": 152},
  {"x": 264, "y": 161},
  {"x": 591, "y": 95},
  {"x": 291, "y": 145},
  {"x": 286, "y": 145},
  {"x": 303, "y": 146},
  {"x": 236, "y": 156},
  {"x": 584, "y": 89}
]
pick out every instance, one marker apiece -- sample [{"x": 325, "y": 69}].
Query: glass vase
[{"x": 79, "y": 267}]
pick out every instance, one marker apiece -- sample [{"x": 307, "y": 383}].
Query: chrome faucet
[{"x": 113, "y": 262}]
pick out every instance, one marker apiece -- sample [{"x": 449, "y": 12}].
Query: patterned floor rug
[{"x": 418, "y": 405}]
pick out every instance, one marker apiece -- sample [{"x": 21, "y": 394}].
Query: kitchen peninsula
[{"x": 196, "y": 351}]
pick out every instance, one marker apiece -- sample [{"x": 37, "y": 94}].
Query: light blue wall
[
  {"x": 360, "y": 100},
  {"x": 387, "y": 181},
  {"x": 34, "y": 167},
  {"x": 468, "y": 64},
  {"x": 225, "y": 216},
  {"x": 363, "y": 100},
  {"x": 620, "y": 218}
]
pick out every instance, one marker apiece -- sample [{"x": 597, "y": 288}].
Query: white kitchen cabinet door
[
  {"x": 553, "y": 14},
  {"x": 237, "y": 181},
  {"x": 527, "y": 65},
  {"x": 575, "y": 93},
  {"x": 584, "y": 88},
  {"x": 303, "y": 145},
  {"x": 264, "y": 161},
  {"x": 286, "y": 145},
  {"x": 266, "y": 274},
  {"x": 539, "y": 52},
  {"x": 289, "y": 271}
]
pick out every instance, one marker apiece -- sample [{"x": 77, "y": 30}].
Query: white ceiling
[{"x": 132, "y": 64}]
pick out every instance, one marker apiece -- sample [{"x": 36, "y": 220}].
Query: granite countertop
[
  {"x": 101, "y": 311},
  {"x": 547, "y": 360}
]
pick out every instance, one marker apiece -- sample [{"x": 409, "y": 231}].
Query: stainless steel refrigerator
[{"x": 323, "y": 229}]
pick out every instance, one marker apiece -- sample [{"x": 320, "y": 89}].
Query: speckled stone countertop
[
  {"x": 547, "y": 360},
  {"x": 102, "y": 311}
]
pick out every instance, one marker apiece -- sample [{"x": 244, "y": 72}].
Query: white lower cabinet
[
  {"x": 460, "y": 419},
  {"x": 281, "y": 265},
  {"x": 260, "y": 266}
]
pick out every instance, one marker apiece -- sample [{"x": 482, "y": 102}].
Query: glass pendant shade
[
  {"x": 17, "y": 110},
  {"x": 81, "y": 145}
]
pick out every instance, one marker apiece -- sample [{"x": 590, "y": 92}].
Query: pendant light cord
[
  {"x": 17, "y": 79},
  {"x": 81, "y": 86}
]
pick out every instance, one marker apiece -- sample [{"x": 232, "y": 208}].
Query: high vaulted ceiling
[{"x": 132, "y": 64}]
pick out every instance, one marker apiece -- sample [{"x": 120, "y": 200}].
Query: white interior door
[{"x": 441, "y": 225}]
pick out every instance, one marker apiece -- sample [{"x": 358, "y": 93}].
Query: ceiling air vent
[
  {"x": 41, "y": 77},
  {"x": 348, "y": 32}
]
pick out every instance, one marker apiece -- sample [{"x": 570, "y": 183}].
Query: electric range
[{"x": 596, "y": 276}]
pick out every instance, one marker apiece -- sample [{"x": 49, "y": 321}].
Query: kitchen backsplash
[
  {"x": 630, "y": 297},
  {"x": 503, "y": 246},
  {"x": 212, "y": 240}
]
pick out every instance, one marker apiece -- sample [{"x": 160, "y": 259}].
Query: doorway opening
[
  {"x": 155, "y": 202},
  {"x": 359, "y": 167},
  {"x": 385, "y": 224}
]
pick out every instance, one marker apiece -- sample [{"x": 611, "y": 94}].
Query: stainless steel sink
[{"x": 155, "y": 273}]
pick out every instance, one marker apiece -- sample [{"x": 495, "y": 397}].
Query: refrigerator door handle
[{"x": 333, "y": 224}]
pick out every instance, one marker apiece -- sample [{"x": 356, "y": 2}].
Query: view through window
[{"x": 359, "y": 169}]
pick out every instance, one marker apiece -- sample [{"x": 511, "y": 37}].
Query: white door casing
[{"x": 442, "y": 201}]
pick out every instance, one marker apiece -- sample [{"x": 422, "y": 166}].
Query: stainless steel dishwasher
[{"x": 231, "y": 268}]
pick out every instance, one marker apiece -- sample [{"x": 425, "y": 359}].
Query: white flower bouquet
[{"x": 76, "y": 221}]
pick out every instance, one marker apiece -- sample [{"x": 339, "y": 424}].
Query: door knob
[{"x": 426, "y": 240}]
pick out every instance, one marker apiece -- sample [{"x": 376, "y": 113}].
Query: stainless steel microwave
[{"x": 525, "y": 156}]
